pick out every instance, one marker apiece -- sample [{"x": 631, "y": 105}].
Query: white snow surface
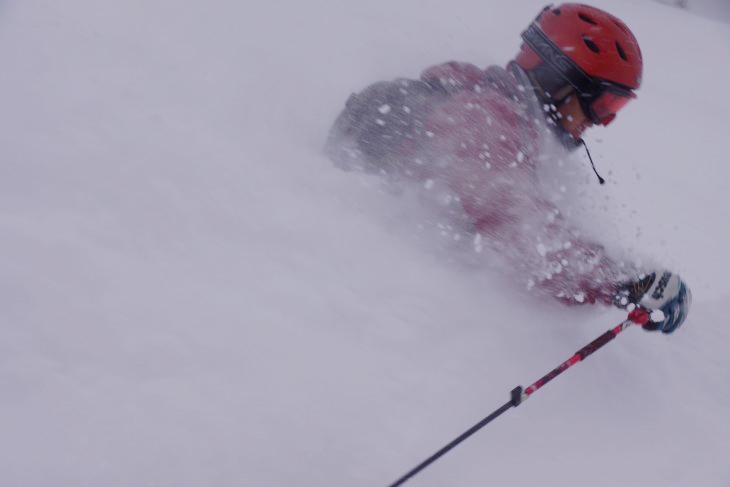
[{"x": 191, "y": 295}]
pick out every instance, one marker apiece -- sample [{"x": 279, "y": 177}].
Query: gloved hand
[{"x": 663, "y": 294}]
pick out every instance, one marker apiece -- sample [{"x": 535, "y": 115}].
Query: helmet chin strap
[{"x": 600, "y": 179}]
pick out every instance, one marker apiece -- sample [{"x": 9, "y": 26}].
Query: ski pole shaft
[
  {"x": 585, "y": 352},
  {"x": 516, "y": 393},
  {"x": 637, "y": 316}
]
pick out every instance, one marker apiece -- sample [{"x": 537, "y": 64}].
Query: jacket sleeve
[{"x": 552, "y": 256}]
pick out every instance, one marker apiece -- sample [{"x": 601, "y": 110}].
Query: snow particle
[
  {"x": 428, "y": 184},
  {"x": 380, "y": 122},
  {"x": 541, "y": 249},
  {"x": 477, "y": 243},
  {"x": 384, "y": 109},
  {"x": 657, "y": 316}
]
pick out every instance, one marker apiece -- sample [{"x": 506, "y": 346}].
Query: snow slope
[
  {"x": 712, "y": 9},
  {"x": 190, "y": 295}
]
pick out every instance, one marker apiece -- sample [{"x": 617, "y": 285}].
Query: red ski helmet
[{"x": 587, "y": 48}]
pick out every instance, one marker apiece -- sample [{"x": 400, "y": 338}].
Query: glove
[{"x": 663, "y": 294}]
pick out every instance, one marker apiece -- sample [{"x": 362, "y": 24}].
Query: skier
[{"x": 485, "y": 133}]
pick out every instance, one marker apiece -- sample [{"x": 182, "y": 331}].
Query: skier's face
[{"x": 573, "y": 119}]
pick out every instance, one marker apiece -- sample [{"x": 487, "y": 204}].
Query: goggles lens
[{"x": 604, "y": 107}]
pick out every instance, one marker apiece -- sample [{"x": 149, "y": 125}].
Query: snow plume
[
  {"x": 546, "y": 251},
  {"x": 598, "y": 212},
  {"x": 540, "y": 247},
  {"x": 479, "y": 178}
]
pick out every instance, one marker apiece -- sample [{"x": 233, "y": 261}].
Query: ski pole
[{"x": 638, "y": 316}]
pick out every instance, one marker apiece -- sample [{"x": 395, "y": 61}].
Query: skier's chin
[{"x": 576, "y": 130}]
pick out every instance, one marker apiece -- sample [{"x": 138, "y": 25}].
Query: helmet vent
[
  {"x": 587, "y": 19},
  {"x": 591, "y": 45},
  {"x": 621, "y": 52}
]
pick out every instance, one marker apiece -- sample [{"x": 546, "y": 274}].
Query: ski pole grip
[{"x": 640, "y": 316}]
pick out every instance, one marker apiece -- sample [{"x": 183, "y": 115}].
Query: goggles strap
[{"x": 553, "y": 56}]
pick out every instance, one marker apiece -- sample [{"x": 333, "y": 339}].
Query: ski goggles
[
  {"x": 602, "y": 107},
  {"x": 600, "y": 99}
]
